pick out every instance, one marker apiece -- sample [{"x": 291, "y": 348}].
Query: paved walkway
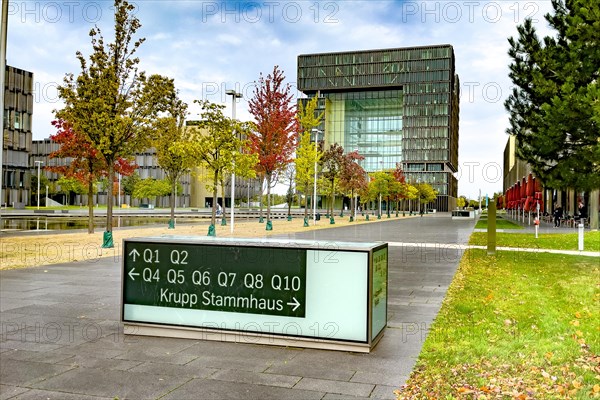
[{"x": 60, "y": 335}]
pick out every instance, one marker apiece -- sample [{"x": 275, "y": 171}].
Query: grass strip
[
  {"x": 514, "y": 325},
  {"x": 500, "y": 224},
  {"x": 558, "y": 241}
]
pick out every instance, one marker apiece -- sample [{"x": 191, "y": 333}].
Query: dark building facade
[
  {"x": 393, "y": 106},
  {"x": 147, "y": 167},
  {"x": 16, "y": 128}
]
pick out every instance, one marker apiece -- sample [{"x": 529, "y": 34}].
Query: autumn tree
[
  {"x": 216, "y": 146},
  {"x": 151, "y": 188},
  {"x": 332, "y": 163},
  {"x": 85, "y": 163},
  {"x": 274, "y": 139},
  {"x": 308, "y": 152},
  {"x": 172, "y": 143},
  {"x": 379, "y": 187},
  {"x": 70, "y": 185},
  {"x": 128, "y": 183},
  {"x": 352, "y": 178},
  {"x": 426, "y": 194},
  {"x": 111, "y": 102},
  {"x": 403, "y": 190}
]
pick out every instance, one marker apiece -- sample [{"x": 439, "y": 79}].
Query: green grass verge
[
  {"x": 500, "y": 224},
  {"x": 558, "y": 241},
  {"x": 515, "y": 325}
]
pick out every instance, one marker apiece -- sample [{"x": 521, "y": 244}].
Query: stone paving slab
[
  {"x": 55, "y": 395},
  {"x": 112, "y": 383},
  {"x": 256, "y": 378},
  {"x": 92, "y": 358},
  {"x": 9, "y": 391},
  {"x": 327, "y": 386},
  {"x": 215, "y": 390}
]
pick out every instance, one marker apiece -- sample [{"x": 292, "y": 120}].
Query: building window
[{"x": 17, "y": 121}]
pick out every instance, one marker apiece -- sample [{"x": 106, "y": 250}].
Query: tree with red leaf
[
  {"x": 332, "y": 163},
  {"x": 399, "y": 190},
  {"x": 86, "y": 164},
  {"x": 275, "y": 137},
  {"x": 352, "y": 178}
]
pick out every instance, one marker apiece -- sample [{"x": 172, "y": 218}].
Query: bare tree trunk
[
  {"x": 332, "y": 197},
  {"x": 223, "y": 194},
  {"x": 261, "y": 198},
  {"x": 268, "y": 197},
  {"x": 172, "y": 198},
  {"x": 306, "y": 189},
  {"x": 214, "y": 204},
  {"x": 109, "y": 197},
  {"x": 90, "y": 206}
]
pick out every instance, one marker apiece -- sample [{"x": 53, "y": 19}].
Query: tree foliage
[
  {"x": 426, "y": 193},
  {"x": 352, "y": 177},
  {"x": 111, "y": 102},
  {"x": 554, "y": 111},
  {"x": 151, "y": 188},
  {"x": 84, "y": 162},
  {"x": 332, "y": 163},
  {"x": 172, "y": 143},
  {"x": 68, "y": 185},
  {"x": 308, "y": 152},
  {"x": 216, "y": 146},
  {"x": 274, "y": 139},
  {"x": 380, "y": 186}
]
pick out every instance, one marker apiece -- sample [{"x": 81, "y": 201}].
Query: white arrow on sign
[
  {"x": 132, "y": 274},
  {"x": 135, "y": 253},
  {"x": 296, "y": 304}
]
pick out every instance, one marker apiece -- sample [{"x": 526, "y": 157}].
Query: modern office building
[
  {"x": 16, "y": 128},
  {"x": 393, "y": 106}
]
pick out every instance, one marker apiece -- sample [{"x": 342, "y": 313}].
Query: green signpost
[
  {"x": 253, "y": 280},
  {"x": 324, "y": 295}
]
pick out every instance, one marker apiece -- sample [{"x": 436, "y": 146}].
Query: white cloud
[{"x": 209, "y": 47}]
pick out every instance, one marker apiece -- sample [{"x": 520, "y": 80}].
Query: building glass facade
[
  {"x": 393, "y": 106},
  {"x": 16, "y": 128}
]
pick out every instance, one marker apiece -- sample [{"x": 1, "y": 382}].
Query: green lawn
[
  {"x": 515, "y": 325},
  {"x": 500, "y": 224},
  {"x": 559, "y": 241}
]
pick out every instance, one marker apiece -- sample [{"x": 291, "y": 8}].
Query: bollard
[
  {"x": 491, "y": 229},
  {"x": 580, "y": 228},
  {"x": 536, "y": 222}
]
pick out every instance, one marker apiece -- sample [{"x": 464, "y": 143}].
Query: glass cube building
[{"x": 393, "y": 106}]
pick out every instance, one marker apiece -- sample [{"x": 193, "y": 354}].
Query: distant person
[
  {"x": 219, "y": 209},
  {"x": 557, "y": 216}
]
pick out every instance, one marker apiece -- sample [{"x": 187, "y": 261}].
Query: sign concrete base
[{"x": 247, "y": 337}]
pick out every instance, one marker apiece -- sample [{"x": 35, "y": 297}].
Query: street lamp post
[
  {"x": 38, "y": 183},
  {"x": 316, "y": 132},
  {"x": 234, "y": 95}
]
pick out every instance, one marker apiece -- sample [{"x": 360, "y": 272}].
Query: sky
[{"x": 209, "y": 47}]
